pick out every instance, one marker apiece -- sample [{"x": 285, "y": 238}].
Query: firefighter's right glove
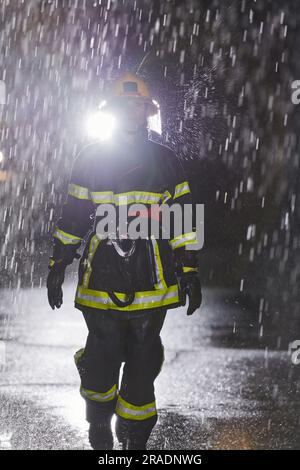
[
  {"x": 190, "y": 285},
  {"x": 55, "y": 281},
  {"x": 63, "y": 255}
]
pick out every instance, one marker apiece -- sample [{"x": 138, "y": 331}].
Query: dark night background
[{"x": 222, "y": 73}]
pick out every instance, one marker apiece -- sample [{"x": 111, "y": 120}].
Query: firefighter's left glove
[
  {"x": 190, "y": 285},
  {"x": 55, "y": 281}
]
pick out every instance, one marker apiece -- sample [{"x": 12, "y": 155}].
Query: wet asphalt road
[{"x": 219, "y": 389}]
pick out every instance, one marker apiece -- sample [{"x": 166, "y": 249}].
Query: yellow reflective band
[
  {"x": 94, "y": 243},
  {"x": 142, "y": 300},
  {"x": 187, "y": 269},
  {"x": 78, "y": 355},
  {"x": 158, "y": 265},
  {"x": 184, "y": 239},
  {"x": 79, "y": 192},
  {"x": 99, "y": 396},
  {"x": 130, "y": 197},
  {"x": 165, "y": 196},
  {"x": 181, "y": 189},
  {"x": 129, "y": 411},
  {"x": 66, "y": 238},
  {"x": 141, "y": 197},
  {"x": 51, "y": 262},
  {"x": 102, "y": 197}
]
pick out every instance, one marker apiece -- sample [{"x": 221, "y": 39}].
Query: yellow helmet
[{"x": 130, "y": 86}]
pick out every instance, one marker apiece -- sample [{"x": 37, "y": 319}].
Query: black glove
[
  {"x": 189, "y": 282},
  {"x": 190, "y": 285},
  {"x": 55, "y": 281},
  {"x": 63, "y": 255}
]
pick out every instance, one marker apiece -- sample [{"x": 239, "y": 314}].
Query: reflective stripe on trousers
[
  {"x": 100, "y": 397},
  {"x": 130, "y": 411}
]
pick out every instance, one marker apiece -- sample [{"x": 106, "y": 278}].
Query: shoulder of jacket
[
  {"x": 169, "y": 160},
  {"x": 164, "y": 150}
]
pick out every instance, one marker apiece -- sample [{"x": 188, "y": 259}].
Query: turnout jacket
[{"x": 120, "y": 174}]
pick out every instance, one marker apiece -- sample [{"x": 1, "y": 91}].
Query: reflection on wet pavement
[{"x": 212, "y": 393}]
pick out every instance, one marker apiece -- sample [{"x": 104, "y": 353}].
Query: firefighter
[{"x": 125, "y": 285}]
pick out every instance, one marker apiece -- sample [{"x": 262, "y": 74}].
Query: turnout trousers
[{"x": 115, "y": 338}]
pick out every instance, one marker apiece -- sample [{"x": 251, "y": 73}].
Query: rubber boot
[
  {"x": 100, "y": 436},
  {"x": 134, "y": 444},
  {"x": 100, "y": 430},
  {"x": 134, "y": 435}
]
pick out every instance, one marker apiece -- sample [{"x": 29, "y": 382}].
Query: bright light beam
[{"x": 100, "y": 125}]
